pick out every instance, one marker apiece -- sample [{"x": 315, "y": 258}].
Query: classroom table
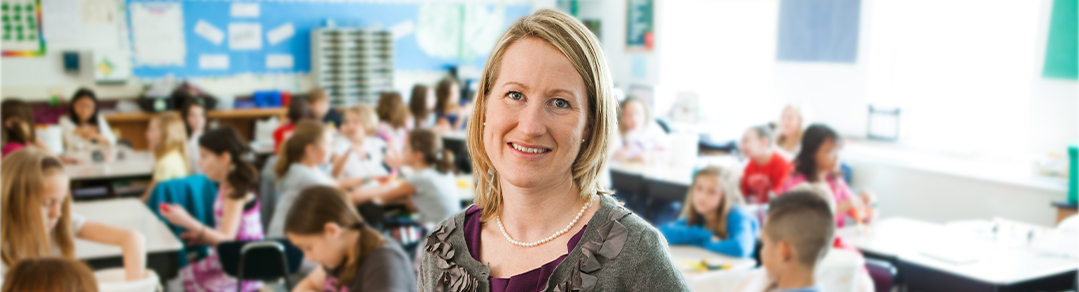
[
  {"x": 685, "y": 257},
  {"x": 161, "y": 245},
  {"x": 934, "y": 257},
  {"x": 134, "y": 164},
  {"x": 132, "y": 126},
  {"x": 840, "y": 270}
]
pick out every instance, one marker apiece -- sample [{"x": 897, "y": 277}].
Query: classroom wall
[
  {"x": 612, "y": 16},
  {"x": 39, "y": 78}
]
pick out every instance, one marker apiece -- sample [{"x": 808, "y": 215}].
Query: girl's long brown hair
[
  {"x": 731, "y": 196},
  {"x": 430, "y": 144},
  {"x": 50, "y": 274},
  {"x": 17, "y": 109},
  {"x": 417, "y": 104},
  {"x": 243, "y": 176},
  {"x": 22, "y": 186},
  {"x": 173, "y": 136},
  {"x": 318, "y": 205},
  {"x": 307, "y": 132},
  {"x": 443, "y": 92},
  {"x": 391, "y": 109}
]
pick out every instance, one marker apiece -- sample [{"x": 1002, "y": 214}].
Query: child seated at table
[
  {"x": 194, "y": 115},
  {"x": 791, "y": 127},
  {"x": 50, "y": 274},
  {"x": 36, "y": 218},
  {"x": 422, "y": 107},
  {"x": 352, "y": 256},
  {"x": 298, "y": 167},
  {"x": 797, "y": 234},
  {"x": 168, "y": 140},
  {"x": 297, "y": 111},
  {"x": 431, "y": 185},
  {"x": 236, "y": 210},
  {"x": 818, "y": 162},
  {"x": 640, "y": 136},
  {"x": 18, "y": 124},
  {"x": 450, "y": 114},
  {"x": 84, "y": 127},
  {"x": 319, "y": 104},
  {"x": 357, "y": 154},
  {"x": 766, "y": 171},
  {"x": 713, "y": 218}
]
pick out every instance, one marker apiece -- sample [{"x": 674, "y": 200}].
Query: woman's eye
[
  {"x": 515, "y": 95},
  {"x": 561, "y": 103}
]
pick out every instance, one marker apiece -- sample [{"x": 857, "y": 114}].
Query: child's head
[
  {"x": 449, "y": 95},
  {"x": 422, "y": 102},
  {"x": 36, "y": 210},
  {"x": 319, "y": 103},
  {"x": 166, "y": 133},
  {"x": 310, "y": 142},
  {"x": 359, "y": 121},
  {"x": 711, "y": 196},
  {"x": 819, "y": 154},
  {"x": 18, "y": 121},
  {"x": 324, "y": 224},
  {"x": 83, "y": 107},
  {"x": 424, "y": 147},
  {"x": 635, "y": 114},
  {"x": 391, "y": 109},
  {"x": 756, "y": 142},
  {"x": 792, "y": 119},
  {"x": 298, "y": 111},
  {"x": 50, "y": 274},
  {"x": 194, "y": 115},
  {"x": 221, "y": 153},
  {"x": 797, "y": 233}
]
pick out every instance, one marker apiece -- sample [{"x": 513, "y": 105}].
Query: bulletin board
[
  {"x": 210, "y": 32},
  {"x": 22, "y": 35}
]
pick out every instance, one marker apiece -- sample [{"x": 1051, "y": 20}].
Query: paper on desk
[
  {"x": 157, "y": 32},
  {"x": 245, "y": 36},
  {"x": 278, "y": 61},
  {"x": 280, "y": 33},
  {"x": 245, "y": 10},
  {"x": 214, "y": 62},
  {"x": 209, "y": 32}
]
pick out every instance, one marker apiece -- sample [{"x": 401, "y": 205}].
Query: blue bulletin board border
[{"x": 304, "y": 16}]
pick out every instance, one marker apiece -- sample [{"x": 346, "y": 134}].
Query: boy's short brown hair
[
  {"x": 803, "y": 219},
  {"x": 316, "y": 95}
]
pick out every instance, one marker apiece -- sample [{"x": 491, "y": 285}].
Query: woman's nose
[{"x": 532, "y": 121}]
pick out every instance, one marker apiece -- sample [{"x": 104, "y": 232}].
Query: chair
[
  {"x": 664, "y": 201},
  {"x": 265, "y": 260},
  {"x": 883, "y": 274},
  {"x": 630, "y": 189}
]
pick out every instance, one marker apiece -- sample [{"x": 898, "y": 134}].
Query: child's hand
[
  {"x": 177, "y": 215},
  {"x": 194, "y": 237}
]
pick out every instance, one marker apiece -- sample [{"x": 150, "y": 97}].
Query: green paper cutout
[{"x": 1062, "y": 49}]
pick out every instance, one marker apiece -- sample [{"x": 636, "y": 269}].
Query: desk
[
  {"x": 161, "y": 245},
  {"x": 132, "y": 126},
  {"x": 137, "y": 164},
  {"x": 1065, "y": 209},
  {"x": 719, "y": 280},
  {"x": 992, "y": 265},
  {"x": 466, "y": 188}
]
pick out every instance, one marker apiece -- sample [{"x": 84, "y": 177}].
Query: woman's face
[
  {"x": 196, "y": 118},
  {"x": 827, "y": 156},
  {"x": 84, "y": 108},
  {"x": 707, "y": 194},
  {"x": 790, "y": 122},
  {"x": 56, "y": 188},
  {"x": 536, "y": 115},
  {"x": 352, "y": 126},
  {"x": 153, "y": 133},
  {"x": 633, "y": 116},
  {"x": 214, "y": 165}
]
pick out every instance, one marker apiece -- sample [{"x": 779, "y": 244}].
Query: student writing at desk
[
  {"x": 84, "y": 127},
  {"x": 37, "y": 220}
]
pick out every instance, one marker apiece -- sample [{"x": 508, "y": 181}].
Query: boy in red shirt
[{"x": 767, "y": 169}]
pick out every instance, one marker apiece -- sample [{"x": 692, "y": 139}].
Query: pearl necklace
[{"x": 549, "y": 238}]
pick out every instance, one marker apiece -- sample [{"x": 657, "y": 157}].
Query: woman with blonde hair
[
  {"x": 538, "y": 138},
  {"x": 36, "y": 219}
]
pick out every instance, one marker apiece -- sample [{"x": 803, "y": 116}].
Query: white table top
[
  {"x": 466, "y": 187},
  {"x": 674, "y": 173},
  {"x": 125, "y": 213},
  {"x": 988, "y": 261},
  {"x": 136, "y": 163},
  {"x": 685, "y": 253}
]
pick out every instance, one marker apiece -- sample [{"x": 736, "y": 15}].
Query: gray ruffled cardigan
[{"x": 619, "y": 251}]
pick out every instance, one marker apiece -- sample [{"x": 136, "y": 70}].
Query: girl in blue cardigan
[{"x": 713, "y": 217}]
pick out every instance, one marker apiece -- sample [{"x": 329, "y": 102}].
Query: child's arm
[
  {"x": 679, "y": 233},
  {"x": 384, "y": 193},
  {"x": 313, "y": 282},
  {"x": 741, "y": 236},
  {"x": 198, "y": 233},
  {"x": 339, "y": 163},
  {"x": 132, "y": 244}
]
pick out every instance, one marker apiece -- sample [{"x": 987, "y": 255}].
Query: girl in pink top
[{"x": 818, "y": 162}]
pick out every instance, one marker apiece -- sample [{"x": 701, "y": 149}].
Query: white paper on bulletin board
[
  {"x": 60, "y": 19},
  {"x": 111, "y": 66},
  {"x": 157, "y": 32},
  {"x": 245, "y": 36}
]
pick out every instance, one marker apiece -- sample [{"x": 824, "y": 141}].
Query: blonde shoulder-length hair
[
  {"x": 580, "y": 46},
  {"x": 728, "y": 184},
  {"x": 22, "y": 187}
]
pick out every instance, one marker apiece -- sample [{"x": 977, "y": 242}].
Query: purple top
[{"x": 531, "y": 281}]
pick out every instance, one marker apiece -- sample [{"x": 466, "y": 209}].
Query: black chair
[
  {"x": 664, "y": 200},
  {"x": 265, "y": 260},
  {"x": 883, "y": 274}
]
